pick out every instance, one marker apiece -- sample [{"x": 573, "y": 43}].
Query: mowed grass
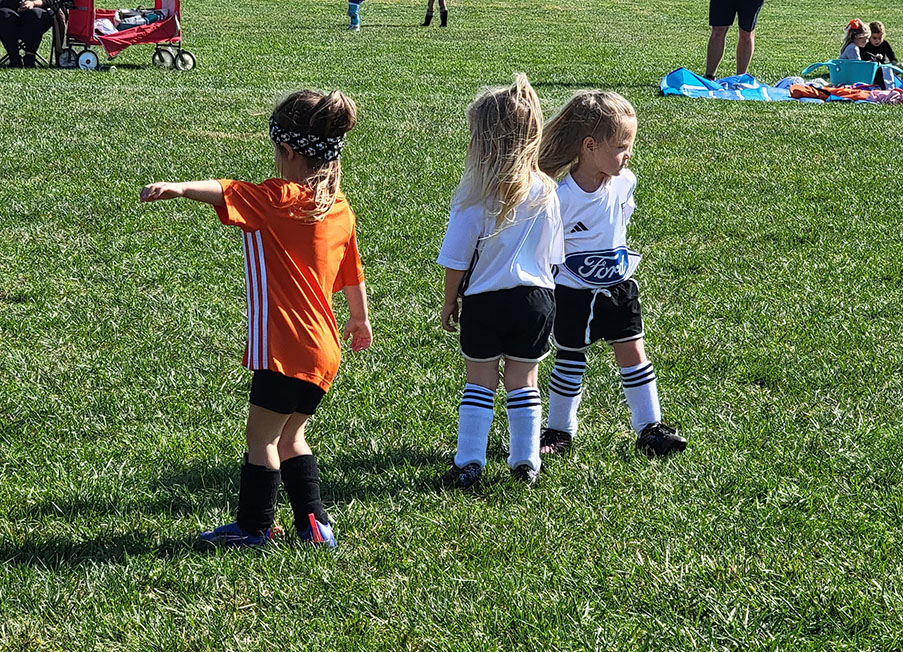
[{"x": 772, "y": 289}]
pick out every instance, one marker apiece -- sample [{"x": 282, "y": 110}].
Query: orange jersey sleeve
[{"x": 351, "y": 271}]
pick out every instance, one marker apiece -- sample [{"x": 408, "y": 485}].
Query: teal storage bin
[{"x": 845, "y": 72}]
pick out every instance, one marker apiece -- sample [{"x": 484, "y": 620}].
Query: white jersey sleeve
[{"x": 462, "y": 235}]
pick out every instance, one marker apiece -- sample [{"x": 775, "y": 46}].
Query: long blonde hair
[
  {"x": 604, "y": 116},
  {"x": 854, "y": 29},
  {"x": 503, "y": 153},
  {"x": 326, "y": 116}
]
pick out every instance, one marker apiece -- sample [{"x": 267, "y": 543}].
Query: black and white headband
[{"x": 319, "y": 147}]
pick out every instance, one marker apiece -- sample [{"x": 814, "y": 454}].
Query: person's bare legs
[
  {"x": 746, "y": 45},
  {"x": 715, "y": 50}
]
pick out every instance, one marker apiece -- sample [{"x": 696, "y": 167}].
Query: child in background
[
  {"x": 857, "y": 36},
  {"x": 503, "y": 236},
  {"x": 877, "y": 48},
  {"x": 443, "y": 13},
  {"x": 299, "y": 248},
  {"x": 596, "y": 297},
  {"x": 354, "y": 13}
]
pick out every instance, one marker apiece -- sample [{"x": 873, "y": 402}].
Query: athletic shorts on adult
[
  {"x": 514, "y": 324},
  {"x": 723, "y": 12},
  {"x": 612, "y": 314}
]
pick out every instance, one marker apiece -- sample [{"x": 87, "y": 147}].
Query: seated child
[
  {"x": 857, "y": 36},
  {"x": 878, "y": 49}
]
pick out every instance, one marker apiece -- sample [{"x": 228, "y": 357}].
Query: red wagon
[{"x": 82, "y": 32}]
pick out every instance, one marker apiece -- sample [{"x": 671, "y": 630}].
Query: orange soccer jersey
[{"x": 292, "y": 269}]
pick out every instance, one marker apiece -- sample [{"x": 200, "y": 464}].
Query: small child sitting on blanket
[
  {"x": 877, "y": 48},
  {"x": 857, "y": 36}
]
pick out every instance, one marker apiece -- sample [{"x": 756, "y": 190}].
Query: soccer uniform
[
  {"x": 292, "y": 268},
  {"x": 597, "y": 299},
  {"x": 507, "y": 311},
  {"x": 507, "y": 304}
]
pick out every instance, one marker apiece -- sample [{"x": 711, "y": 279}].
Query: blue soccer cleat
[
  {"x": 232, "y": 536},
  {"x": 317, "y": 533}
]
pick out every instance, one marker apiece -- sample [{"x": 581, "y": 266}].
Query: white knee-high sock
[
  {"x": 524, "y": 420},
  {"x": 566, "y": 390},
  {"x": 474, "y": 421},
  {"x": 641, "y": 392}
]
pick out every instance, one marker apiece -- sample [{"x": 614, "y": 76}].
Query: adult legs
[
  {"x": 34, "y": 23},
  {"x": 9, "y": 35},
  {"x": 715, "y": 50},
  {"x": 746, "y": 45}
]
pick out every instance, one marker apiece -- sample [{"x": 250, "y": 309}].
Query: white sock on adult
[
  {"x": 641, "y": 392},
  {"x": 566, "y": 390},
  {"x": 524, "y": 420},
  {"x": 474, "y": 421}
]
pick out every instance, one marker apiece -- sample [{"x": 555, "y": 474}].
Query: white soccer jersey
[
  {"x": 521, "y": 253},
  {"x": 595, "y": 233}
]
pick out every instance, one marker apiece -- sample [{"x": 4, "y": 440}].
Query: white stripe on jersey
[
  {"x": 254, "y": 312},
  {"x": 248, "y": 295},
  {"x": 264, "y": 364}
]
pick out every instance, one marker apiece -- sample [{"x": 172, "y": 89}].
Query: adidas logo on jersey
[{"x": 580, "y": 226}]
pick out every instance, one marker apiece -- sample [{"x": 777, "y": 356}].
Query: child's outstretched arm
[
  {"x": 358, "y": 325},
  {"x": 209, "y": 192},
  {"x": 453, "y": 278}
]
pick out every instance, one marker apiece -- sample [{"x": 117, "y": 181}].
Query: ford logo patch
[{"x": 602, "y": 268}]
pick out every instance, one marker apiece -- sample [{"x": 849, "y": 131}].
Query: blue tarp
[
  {"x": 740, "y": 87},
  {"x": 737, "y": 87}
]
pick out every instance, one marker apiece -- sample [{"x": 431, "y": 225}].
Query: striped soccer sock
[
  {"x": 641, "y": 392},
  {"x": 524, "y": 420},
  {"x": 566, "y": 390},
  {"x": 474, "y": 421}
]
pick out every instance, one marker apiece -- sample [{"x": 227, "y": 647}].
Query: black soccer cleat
[
  {"x": 462, "y": 478},
  {"x": 658, "y": 440},
  {"x": 555, "y": 442},
  {"x": 525, "y": 473}
]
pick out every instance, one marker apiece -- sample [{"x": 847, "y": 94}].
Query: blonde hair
[
  {"x": 854, "y": 29},
  {"x": 877, "y": 27},
  {"x": 327, "y": 116},
  {"x": 605, "y": 116},
  {"x": 503, "y": 152}
]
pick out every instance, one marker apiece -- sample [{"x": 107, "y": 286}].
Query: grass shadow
[
  {"x": 57, "y": 553},
  {"x": 373, "y": 474}
]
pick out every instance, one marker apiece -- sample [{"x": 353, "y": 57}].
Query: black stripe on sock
[
  {"x": 567, "y": 381},
  {"x": 633, "y": 375},
  {"x": 570, "y": 367},
  {"x": 564, "y": 390},
  {"x": 485, "y": 406},
  {"x": 641, "y": 382},
  {"x": 524, "y": 406}
]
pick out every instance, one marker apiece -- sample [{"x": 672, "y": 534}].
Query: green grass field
[{"x": 773, "y": 293}]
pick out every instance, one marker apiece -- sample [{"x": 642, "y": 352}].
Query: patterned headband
[{"x": 319, "y": 147}]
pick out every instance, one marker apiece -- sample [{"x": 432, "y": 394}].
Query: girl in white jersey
[
  {"x": 503, "y": 237},
  {"x": 596, "y": 297}
]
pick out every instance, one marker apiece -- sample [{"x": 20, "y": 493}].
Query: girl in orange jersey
[{"x": 299, "y": 248}]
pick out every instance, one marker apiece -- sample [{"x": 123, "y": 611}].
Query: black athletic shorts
[
  {"x": 585, "y": 316},
  {"x": 283, "y": 394},
  {"x": 722, "y": 13},
  {"x": 514, "y": 324}
]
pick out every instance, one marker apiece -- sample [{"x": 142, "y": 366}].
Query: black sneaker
[
  {"x": 524, "y": 473},
  {"x": 657, "y": 440},
  {"x": 555, "y": 442},
  {"x": 462, "y": 478}
]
